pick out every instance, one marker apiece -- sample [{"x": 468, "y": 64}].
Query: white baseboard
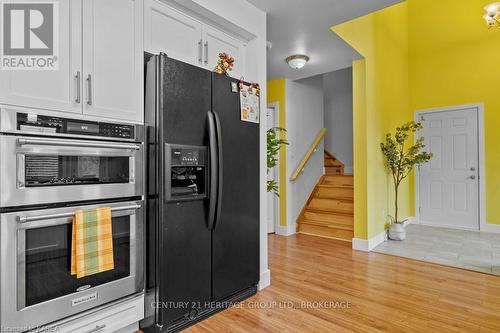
[
  {"x": 370, "y": 244},
  {"x": 493, "y": 228},
  {"x": 265, "y": 279},
  {"x": 286, "y": 230},
  {"x": 348, "y": 170}
]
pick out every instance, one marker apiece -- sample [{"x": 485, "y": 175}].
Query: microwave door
[{"x": 36, "y": 171}]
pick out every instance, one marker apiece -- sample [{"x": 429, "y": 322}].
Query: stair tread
[
  {"x": 329, "y": 211},
  {"x": 339, "y": 176},
  {"x": 322, "y": 231},
  {"x": 315, "y": 210},
  {"x": 333, "y": 186},
  {"x": 328, "y": 225},
  {"x": 341, "y": 241},
  {"x": 339, "y": 199}
]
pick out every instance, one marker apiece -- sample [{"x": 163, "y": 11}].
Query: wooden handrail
[{"x": 308, "y": 155}]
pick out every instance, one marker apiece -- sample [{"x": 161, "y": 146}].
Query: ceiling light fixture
[
  {"x": 297, "y": 61},
  {"x": 492, "y": 15}
]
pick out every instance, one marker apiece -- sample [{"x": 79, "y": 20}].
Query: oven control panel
[{"x": 48, "y": 124}]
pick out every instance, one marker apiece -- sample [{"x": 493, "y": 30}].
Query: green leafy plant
[
  {"x": 274, "y": 144},
  {"x": 400, "y": 160}
]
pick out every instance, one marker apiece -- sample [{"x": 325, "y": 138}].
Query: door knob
[
  {"x": 472, "y": 169},
  {"x": 472, "y": 177}
]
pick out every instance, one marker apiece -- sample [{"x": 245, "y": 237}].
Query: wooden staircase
[
  {"x": 329, "y": 212},
  {"x": 332, "y": 165}
]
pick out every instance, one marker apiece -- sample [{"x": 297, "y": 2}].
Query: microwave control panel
[{"x": 47, "y": 124}]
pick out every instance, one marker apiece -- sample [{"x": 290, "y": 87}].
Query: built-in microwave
[
  {"x": 46, "y": 160},
  {"x": 35, "y": 255}
]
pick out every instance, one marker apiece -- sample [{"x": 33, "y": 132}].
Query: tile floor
[{"x": 472, "y": 250}]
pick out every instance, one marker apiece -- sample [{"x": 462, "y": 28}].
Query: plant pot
[{"x": 397, "y": 232}]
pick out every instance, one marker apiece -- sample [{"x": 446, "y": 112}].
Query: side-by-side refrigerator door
[
  {"x": 236, "y": 231},
  {"x": 185, "y": 245}
]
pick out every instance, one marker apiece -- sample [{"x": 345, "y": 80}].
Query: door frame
[
  {"x": 276, "y": 107},
  {"x": 482, "y": 225}
]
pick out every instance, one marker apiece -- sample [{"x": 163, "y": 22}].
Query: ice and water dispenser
[{"x": 187, "y": 172}]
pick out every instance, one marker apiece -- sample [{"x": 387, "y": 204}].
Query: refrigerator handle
[
  {"x": 213, "y": 170},
  {"x": 219, "y": 169}
]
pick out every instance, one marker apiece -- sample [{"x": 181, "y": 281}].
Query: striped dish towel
[{"x": 92, "y": 243}]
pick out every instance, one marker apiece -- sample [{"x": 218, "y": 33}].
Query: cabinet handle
[
  {"x": 97, "y": 328},
  {"x": 89, "y": 89},
  {"x": 200, "y": 51},
  {"x": 78, "y": 87},
  {"x": 206, "y": 52}
]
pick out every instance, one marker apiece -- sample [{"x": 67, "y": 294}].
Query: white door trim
[
  {"x": 276, "y": 107},
  {"x": 483, "y": 226}
]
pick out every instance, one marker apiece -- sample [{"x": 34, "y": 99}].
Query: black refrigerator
[{"x": 203, "y": 195}]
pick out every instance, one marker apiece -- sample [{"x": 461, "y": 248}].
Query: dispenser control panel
[{"x": 186, "y": 172}]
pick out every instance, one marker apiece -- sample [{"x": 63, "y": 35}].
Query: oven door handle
[
  {"x": 25, "y": 219},
  {"x": 65, "y": 143}
]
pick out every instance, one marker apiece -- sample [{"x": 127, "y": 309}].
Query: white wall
[
  {"x": 337, "y": 87},
  {"x": 304, "y": 120}
]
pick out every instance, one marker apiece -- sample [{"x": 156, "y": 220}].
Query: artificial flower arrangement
[{"x": 225, "y": 64}]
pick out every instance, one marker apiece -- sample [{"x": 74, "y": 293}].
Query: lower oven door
[
  {"x": 37, "y": 170},
  {"x": 36, "y": 284}
]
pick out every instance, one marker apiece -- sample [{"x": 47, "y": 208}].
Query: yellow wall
[
  {"x": 382, "y": 39},
  {"x": 419, "y": 54},
  {"x": 276, "y": 93},
  {"x": 454, "y": 60},
  {"x": 359, "y": 140}
]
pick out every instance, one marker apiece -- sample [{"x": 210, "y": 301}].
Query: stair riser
[
  {"x": 347, "y": 220},
  {"x": 335, "y": 192},
  {"x": 326, "y": 232},
  {"x": 332, "y": 171},
  {"x": 332, "y": 205}
]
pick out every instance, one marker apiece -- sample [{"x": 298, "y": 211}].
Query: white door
[
  {"x": 51, "y": 89},
  {"x": 169, "y": 31},
  {"x": 272, "y": 199},
  {"x": 113, "y": 64},
  {"x": 214, "y": 42},
  {"x": 449, "y": 183}
]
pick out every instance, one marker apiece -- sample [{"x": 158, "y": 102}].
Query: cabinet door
[
  {"x": 216, "y": 41},
  {"x": 51, "y": 89},
  {"x": 113, "y": 64},
  {"x": 169, "y": 31}
]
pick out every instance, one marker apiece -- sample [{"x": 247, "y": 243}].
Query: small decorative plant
[
  {"x": 400, "y": 160},
  {"x": 274, "y": 143},
  {"x": 225, "y": 63}
]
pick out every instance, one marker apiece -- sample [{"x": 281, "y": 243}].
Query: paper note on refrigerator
[{"x": 250, "y": 104}]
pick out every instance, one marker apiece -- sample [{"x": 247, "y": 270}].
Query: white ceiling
[{"x": 303, "y": 27}]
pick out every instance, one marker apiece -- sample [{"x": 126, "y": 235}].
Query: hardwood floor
[{"x": 385, "y": 293}]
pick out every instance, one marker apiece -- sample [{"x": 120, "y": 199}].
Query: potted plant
[
  {"x": 400, "y": 161},
  {"x": 274, "y": 143}
]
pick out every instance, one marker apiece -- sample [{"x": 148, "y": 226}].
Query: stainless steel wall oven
[{"x": 49, "y": 168}]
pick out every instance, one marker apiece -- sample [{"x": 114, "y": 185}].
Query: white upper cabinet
[
  {"x": 100, "y": 67},
  {"x": 169, "y": 31},
  {"x": 216, "y": 41},
  {"x": 188, "y": 39},
  {"x": 51, "y": 89},
  {"x": 113, "y": 59}
]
